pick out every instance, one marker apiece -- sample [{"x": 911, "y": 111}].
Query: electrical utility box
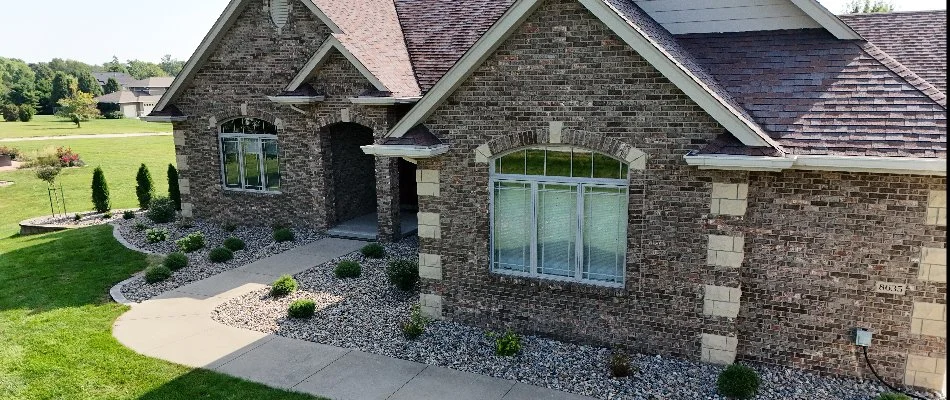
[{"x": 862, "y": 337}]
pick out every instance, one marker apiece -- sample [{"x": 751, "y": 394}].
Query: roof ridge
[
  {"x": 893, "y": 13},
  {"x": 905, "y": 73}
]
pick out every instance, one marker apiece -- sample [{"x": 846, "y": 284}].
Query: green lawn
[
  {"x": 119, "y": 159},
  {"x": 55, "y": 313},
  {"x": 48, "y": 125}
]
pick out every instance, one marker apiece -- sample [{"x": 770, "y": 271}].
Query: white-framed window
[
  {"x": 250, "y": 160},
  {"x": 559, "y": 212}
]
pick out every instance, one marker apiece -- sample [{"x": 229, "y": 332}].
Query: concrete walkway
[
  {"x": 177, "y": 327},
  {"x": 70, "y": 137}
]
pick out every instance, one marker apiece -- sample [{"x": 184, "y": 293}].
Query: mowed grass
[
  {"x": 48, "y": 125},
  {"x": 119, "y": 158},
  {"x": 55, "y": 312}
]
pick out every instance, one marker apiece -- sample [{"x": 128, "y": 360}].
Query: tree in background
[
  {"x": 112, "y": 86},
  {"x": 10, "y": 112},
  {"x": 100, "y": 191},
  {"x": 26, "y": 113},
  {"x": 869, "y": 6},
  {"x": 174, "y": 192},
  {"x": 171, "y": 66},
  {"x": 80, "y": 105},
  {"x": 88, "y": 83},
  {"x": 144, "y": 187},
  {"x": 43, "y": 85},
  {"x": 115, "y": 66},
  {"x": 14, "y": 73},
  {"x": 144, "y": 69},
  {"x": 64, "y": 86}
]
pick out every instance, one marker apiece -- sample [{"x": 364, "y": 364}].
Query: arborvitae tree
[
  {"x": 144, "y": 188},
  {"x": 100, "y": 191},
  {"x": 174, "y": 192},
  {"x": 112, "y": 86}
]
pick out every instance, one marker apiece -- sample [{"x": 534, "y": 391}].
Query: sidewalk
[
  {"x": 177, "y": 327},
  {"x": 70, "y": 137}
]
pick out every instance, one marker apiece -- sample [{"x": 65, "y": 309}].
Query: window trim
[
  {"x": 581, "y": 185},
  {"x": 260, "y": 138}
]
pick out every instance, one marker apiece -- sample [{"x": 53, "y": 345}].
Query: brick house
[{"x": 730, "y": 180}]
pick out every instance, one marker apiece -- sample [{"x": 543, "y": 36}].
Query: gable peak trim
[{"x": 320, "y": 57}]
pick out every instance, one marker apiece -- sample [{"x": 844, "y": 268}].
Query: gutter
[
  {"x": 164, "y": 118},
  {"x": 382, "y": 150},
  {"x": 881, "y": 165}
]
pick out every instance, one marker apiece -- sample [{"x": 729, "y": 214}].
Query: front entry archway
[{"x": 352, "y": 173}]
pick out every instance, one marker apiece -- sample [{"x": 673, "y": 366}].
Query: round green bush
[
  {"x": 157, "y": 273},
  {"x": 234, "y": 244},
  {"x": 403, "y": 274},
  {"x": 892, "y": 396},
  {"x": 161, "y": 210},
  {"x": 176, "y": 261},
  {"x": 373, "y": 250},
  {"x": 283, "y": 286},
  {"x": 193, "y": 242},
  {"x": 738, "y": 381},
  {"x": 220, "y": 255},
  {"x": 283, "y": 235},
  {"x": 348, "y": 269},
  {"x": 303, "y": 308},
  {"x": 128, "y": 214}
]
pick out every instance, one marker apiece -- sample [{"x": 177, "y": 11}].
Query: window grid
[{"x": 246, "y": 145}]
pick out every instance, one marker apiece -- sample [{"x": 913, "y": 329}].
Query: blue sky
[{"x": 93, "y": 31}]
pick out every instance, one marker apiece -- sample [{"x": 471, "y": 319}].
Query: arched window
[
  {"x": 249, "y": 155},
  {"x": 560, "y": 212}
]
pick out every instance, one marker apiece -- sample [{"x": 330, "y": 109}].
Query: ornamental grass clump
[
  {"x": 157, "y": 273},
  {"x": 175, "y": 261},
  {"x": 373, "y": 250},
  {"x": 191, "y": 243},
  {"x": 403, "y": 274},
  {"x": 739, "y": 382},
  {"x": 283, "y": 286},
  {"x": 128, "y": 214},
  {"x": 348, "y": 269},
  {"x": 220, "y": 255},
  {"x": 507, "y": 345},
  {"x": 233, "y": 244},
  {"x": 620, "y": 363},
  {"x": 303, "y": 308},
  {"x": 156, "y": 235}
]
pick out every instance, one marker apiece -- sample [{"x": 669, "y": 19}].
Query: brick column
[{"x": 387, "y": 199}]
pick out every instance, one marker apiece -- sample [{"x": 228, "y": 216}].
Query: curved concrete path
[{"x": 177, "y": 327}]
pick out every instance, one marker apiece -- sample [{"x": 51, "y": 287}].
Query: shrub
[
  {"x": 174, "y": 192},
  {"x": 276, "y": 226},
  {"x": 157, "y": 273},
  {"x": 114, "y": 115},
  {"x": 738, "y": 381},
  {"x": 220, "y": 255},
  {"x": 347, "y": 269},
  {"x": 65, "y": 157},
  {"x": 144, "y": 189},
  {"x": 107, "y": 215},
  {"x": 10, "y": 112},
  {"x": 48, "y": 173},
  {"x": 128, "y": 214},
  {"x": 303, "y": 308},
  {"x": 620, "y": 364},
  {"x": 26, "y": 113},
  {"x": 506, "y": 345},
  {"x": 139, "y": 226},
  {"x": 416, "y": 325},
  {"x": 176, "y": 261},
  {"x": 283, "y": 235},
  {"x": 162, "y": 210},
  {"x": 229, "y": 227},
  {"x": 156, "y": 235},
  {"x": 13, "y": 152},
  {"x": 233, "y": 244},
  {"x": 191, "y": 243},
  {"x": 77, "y": 217},
  {"x": 892, "y": 396},
  {"x": 403, "y": 274},
  {"x": 373, "y": 250},
  {"x": 283, "y": 286},
  {"x": 100, "y": 191}
]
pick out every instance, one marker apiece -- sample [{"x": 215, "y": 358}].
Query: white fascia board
[
  {"x": 827, "y": 19},
  {"x": 224, "y": 22},
  {"x": 481, "y": 50},
  {"x": 884, "y": 165},
  {"x": 383, "y": 101},
  {"x": 415, "y": 152},
  {"x": 748, "y": 132},
  {"x": 321, "y": 56},
  {"x": 164, "y": 119},
  {"x": 296, "y": 99},
  {"x": 744, "y": 163}
]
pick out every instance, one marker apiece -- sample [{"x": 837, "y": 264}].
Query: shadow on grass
[{"x": 204, "y": 384}]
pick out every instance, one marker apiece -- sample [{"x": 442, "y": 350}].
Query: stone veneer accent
[
  {"x": 181, "y": 161},
  {"x": 430, "y": 266},
  {"x": 937, "y": 208},
  {"x": 184, "y": 186},
  {"x": 929, "y": 319},
  {"x": 721, "y": 301},
  {"x": 429, "y": 226},
  {"x": 427, "y": 181},
  {"x": 725, "y": 251},
  {"x": 928, "y": 372},
  {"x": 431, "y": 305},
  {"x": 730, "y": 198},
  {"x": 933, "y": 265},
  {"x": 718, "y": 349}
]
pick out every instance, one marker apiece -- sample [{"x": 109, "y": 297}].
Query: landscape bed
[{"x": 367, "y": 313}]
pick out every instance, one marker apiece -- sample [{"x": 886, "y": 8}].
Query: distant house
[
  {"x": 122, "y": 78},
  {"x": 138, "y": 97}
]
